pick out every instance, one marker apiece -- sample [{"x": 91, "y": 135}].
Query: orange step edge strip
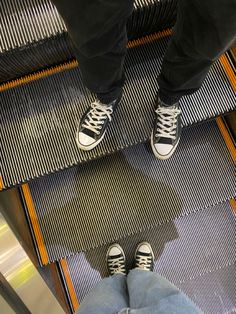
[
  {"x": 233, "y": 204},
  {"x": 74, "y": 63},
  {"x": 35, "y": 223},
  {"x": 227, "y": 138},
  {"x": 1, "y": 183},
  {"x": 149, "y": 38},
  {"x": 228, "y": 70},
  {"x": 37, "y": 75},
  {"x": 70, "y": 286}
]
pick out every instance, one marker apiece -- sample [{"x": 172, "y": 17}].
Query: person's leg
[
  {"x": 110, "y": 295},
  {"x": 98, "y": 29},
  {"x": 150, "y": 292},
  {"x": 204, "y": 29}
]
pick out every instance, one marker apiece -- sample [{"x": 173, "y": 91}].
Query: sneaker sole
[
  {"x": 161, "y": 157},
  {"x": 90, "y": 147}
]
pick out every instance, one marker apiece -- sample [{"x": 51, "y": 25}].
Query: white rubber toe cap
[
  {"x": 115, "y": 251},
  {"x": 85, "y": 140},
  {"x": 144, "y": 248},
  {"x": 163, "y": 149}
]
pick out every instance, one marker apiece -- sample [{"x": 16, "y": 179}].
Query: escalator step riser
[{"x": 28, "y": 22}]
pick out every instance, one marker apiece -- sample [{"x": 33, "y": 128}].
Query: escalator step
[
  {"x": 195, "y": 252},
  {"x": 125, "y": 193},
  {"x": 39, "y": 119}
]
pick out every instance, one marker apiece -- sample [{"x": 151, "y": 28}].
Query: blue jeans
[{"x": 141, "y": 292}]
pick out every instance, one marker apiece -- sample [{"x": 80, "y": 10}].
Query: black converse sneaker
[
  {"x": 116, "y": 260},
  {"x": 167, "y": 129},
  {"x": 144, "y": 257},
  {"x": 93, "y": 124}
]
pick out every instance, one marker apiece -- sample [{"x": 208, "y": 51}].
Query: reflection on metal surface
[{"x": 22, "y": 275}]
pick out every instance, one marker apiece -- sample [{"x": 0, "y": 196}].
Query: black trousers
[{"x": 203, "y": 31}]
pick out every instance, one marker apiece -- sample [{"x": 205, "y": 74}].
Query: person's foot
[
  {"x": 167, "y": 129},
  {"x": 116, "y": 260},
  {"x": 94, "y": 123},
  {"x": 144, "y": 257}
]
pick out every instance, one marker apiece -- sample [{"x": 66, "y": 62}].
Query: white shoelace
[
  {"x": 167, "y": 119},
  {"x": 117, "y": 265},
  {"x": 143, "y": 262},
  {"x": 96, "y": 117}
]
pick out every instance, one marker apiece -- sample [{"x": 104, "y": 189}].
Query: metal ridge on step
[
  {"x": 39, "y": 119},
  {"x": 70, "y": 205}
]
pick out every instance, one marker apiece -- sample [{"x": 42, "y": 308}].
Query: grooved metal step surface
[
  {"x": 24, "y": 22},
  {"x": 39, "y": 119},
  {"x": 150, "y": 16},
  {"x": 218, "y": 295},
  {"x": 34, "y": 36},
  {"x": 125, "y": 193},
  {"x": 195, "y": 252}
]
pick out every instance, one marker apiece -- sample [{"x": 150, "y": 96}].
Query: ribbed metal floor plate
[
  {"x": 195, "y": 252},
  {"x": 39, "y": 119},
  {"x": 84, "y": 207}
]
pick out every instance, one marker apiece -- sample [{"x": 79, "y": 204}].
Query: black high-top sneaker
[
  {"x": 116, "y": 260},
  {"x": 94, "y": 123},
  {"x": 167, "y": 129},
  {"x": 144, "y": 257}
]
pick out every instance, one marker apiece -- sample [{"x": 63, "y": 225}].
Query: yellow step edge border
[
  {"x": 74, "y": 63},
  {"x": 149, "y": 38},
  {"x": 37, "y": 75},
  {"x": 1, "y": 183},
  {"x": 35, "y": 223},
  {"x": 227, "y": 138},
  {"x": 131, "y": 44},
  {"x": 70, "y": 286},
  {"x": 233, "y": 204},
  {"x": 229, "y": 71}
]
